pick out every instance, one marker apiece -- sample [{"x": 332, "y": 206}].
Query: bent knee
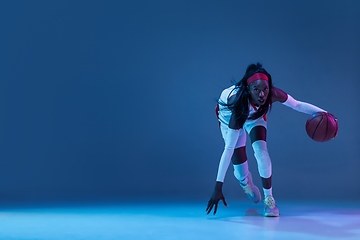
[{"x": 239, "y": 156}]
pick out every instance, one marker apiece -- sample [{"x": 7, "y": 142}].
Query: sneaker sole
[{"x": 271, "y": 215}]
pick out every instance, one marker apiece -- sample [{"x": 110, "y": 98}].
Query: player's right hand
[{"x": 214, "y": 200}]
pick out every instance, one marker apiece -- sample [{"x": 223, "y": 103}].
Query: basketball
[{"x": 322, "y": 126}]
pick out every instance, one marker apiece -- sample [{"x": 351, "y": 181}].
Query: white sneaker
[
  {"x": 251, "y": 190},
  {"x": 270, "y": 207}
]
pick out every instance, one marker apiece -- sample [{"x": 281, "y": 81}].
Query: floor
[{"x": 170, "y": 220}]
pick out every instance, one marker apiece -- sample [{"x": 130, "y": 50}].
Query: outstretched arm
[
  {"x": 302, "y": 106},
  {"x": 231, "y": 138},
  {"x": 280, "y": 96}
]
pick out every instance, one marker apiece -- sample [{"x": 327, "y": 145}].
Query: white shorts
[{"x": 248, "y": 126}]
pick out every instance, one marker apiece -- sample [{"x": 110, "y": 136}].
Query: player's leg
[
  {"x": 241, "y": 169},
  {"x": 258, "y": 142},
  {"x": 239, "y": 161}
]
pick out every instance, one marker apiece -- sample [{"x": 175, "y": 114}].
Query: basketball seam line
[
  {"x": 327, "y": 126},
  {"x": 317, "y": 126}
]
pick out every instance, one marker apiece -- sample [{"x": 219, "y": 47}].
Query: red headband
[{"x": 255, "y": 77}]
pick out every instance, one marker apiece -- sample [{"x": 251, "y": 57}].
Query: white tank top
[{"x": 225, "y": 112}]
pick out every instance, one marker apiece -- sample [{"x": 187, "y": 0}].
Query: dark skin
[{"x": 259, "y": 91}]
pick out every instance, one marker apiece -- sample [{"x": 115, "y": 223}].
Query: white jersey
[{"x": 224, "y": 113}]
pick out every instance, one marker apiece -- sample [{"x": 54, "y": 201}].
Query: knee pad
[
  {"x": 241, "y": 171},
  {"x": 262, "y": 158}
]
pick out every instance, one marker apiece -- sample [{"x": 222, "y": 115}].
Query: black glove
[{"x": 215, "y": 198}]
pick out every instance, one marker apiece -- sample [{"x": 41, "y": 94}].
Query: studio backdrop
[{"x": 116, "y": 99}]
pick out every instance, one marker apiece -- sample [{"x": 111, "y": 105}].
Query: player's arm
[
  {"x": 231, "y": 138},
  {"x": 215, "y": 198},
  {"x": 279, "y": 95}
]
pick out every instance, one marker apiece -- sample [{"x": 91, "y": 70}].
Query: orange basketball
[{"x": 322, "y": 126}]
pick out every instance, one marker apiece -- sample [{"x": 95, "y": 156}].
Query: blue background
[{"x": 116, "y": 99}]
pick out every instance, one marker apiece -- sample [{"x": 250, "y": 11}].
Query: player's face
[{"x": 259, "y": 91}]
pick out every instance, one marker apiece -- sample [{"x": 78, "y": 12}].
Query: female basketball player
[{"x": 242, "y": 109}]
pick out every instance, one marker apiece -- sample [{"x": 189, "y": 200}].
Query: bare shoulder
[{"x": 278, "y": 95}]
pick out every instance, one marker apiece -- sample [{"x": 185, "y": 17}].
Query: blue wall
[{"x": 116, "y": 99}]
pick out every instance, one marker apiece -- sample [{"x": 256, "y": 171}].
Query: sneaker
[
  {"x": 270, "y": 207},
  {"x": 251, "y": 190}
]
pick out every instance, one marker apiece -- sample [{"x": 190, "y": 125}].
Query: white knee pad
[
  {"x": 241, "y": 171},
  {"x": 262, "y": 158}
]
